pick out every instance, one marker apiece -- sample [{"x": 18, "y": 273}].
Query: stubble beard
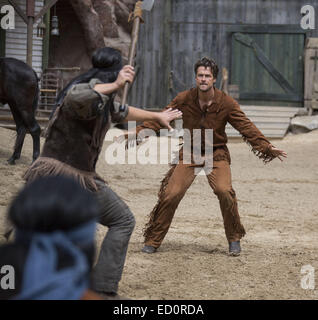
[{"x": 205, "y": 90}]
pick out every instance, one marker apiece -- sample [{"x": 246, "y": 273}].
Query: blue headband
[{"x": 41, "y": 279}]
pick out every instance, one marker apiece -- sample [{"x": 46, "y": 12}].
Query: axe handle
[{"x": 132, "y": 53}]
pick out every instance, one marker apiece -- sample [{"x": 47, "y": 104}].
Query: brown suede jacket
[{"x": 224, "y": 109}]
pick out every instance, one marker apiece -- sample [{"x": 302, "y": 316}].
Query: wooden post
[
  {"x": 47, "y": 5},
  {"x": 29, "y": 18},
  {"x": 132, "y": 49},
  {"x": 166, "y": 45},
  {"x": 2, "y": 41},
  {"x": 224, "y": 81},
  {"x": 46, "y": 40},
  {"x": 30, "y": 15},
  {"x": 311, "y": 75}
]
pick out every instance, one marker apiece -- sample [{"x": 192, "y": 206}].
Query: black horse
[{"x": 19, "y": 89}]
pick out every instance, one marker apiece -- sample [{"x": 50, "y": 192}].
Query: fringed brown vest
[{"x": 72, "y": 147}]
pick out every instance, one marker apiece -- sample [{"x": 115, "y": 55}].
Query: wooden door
[{"x": 269, "y": 68}]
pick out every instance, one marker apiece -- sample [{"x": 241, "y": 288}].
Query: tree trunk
[{"x": 92, "y": 27}]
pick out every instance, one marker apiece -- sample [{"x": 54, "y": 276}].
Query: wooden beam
[
  {"x": 2, "y": 41},
  {"x": 10, "y": 118},
  {"x": 30, "y": 14},
  {"x": 30, "y": 8},
  {"x": 19, "y": 10},
  {"x": 274, "y": 28},
  {"x": 43, "y": 11},
  {"x": 30, "y": 40},
  {"x": 46, "y": 39},
  {"x": 271, "y": 96},
  {"x": 70, "y": 69},
  {"x": 166, "y": 48},
  {"x": 48, "y": 90}
]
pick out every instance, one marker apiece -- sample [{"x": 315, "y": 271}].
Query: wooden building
[
  {"x": 260, "y": 43},
  {"x": 13, "y": 42},
  {"x": 55, "y": 58}
]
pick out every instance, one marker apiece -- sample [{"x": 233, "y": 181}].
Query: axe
[{"x": 136, "y": 16}]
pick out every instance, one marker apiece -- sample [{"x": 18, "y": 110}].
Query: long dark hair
[{"x": 106, "y": 62}]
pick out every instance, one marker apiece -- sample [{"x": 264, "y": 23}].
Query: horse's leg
[
  {"x": 35, "y": 131},
  {"x": 21, "y": 131}
]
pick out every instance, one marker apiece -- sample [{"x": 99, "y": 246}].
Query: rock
[
  {"x": 106, "y": 12},
  {"x": 121, "y": 43},
  {"x": 105, "y": 22},
  {"x": 303, "y": 124},
  {"x": 302, "y": 112},
  {"x": 113, "y": 15},
  {"x": 91, "y": 25},
  {"x": 122, "y": 12}
]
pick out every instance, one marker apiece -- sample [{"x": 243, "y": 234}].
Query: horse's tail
[{"x": 37, "y": 93}]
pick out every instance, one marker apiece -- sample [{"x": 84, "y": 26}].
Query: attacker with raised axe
[{"x": 73, "y": 143}]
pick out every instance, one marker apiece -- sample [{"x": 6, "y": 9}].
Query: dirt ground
[{"x": 278, "y": 207}]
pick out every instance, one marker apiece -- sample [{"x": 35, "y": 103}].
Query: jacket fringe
[
  {"x": 45, "y": 166},
  {"x": 148, "y": 227},
  {"x": 266, "y": 155},
  {"x": 238, "y": 227}
]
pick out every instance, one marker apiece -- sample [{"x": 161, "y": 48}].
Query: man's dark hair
[
  {"x": 52, "y": 203},
  {"x": 206, "y": 62},
  {"x": 107, "y": 62}
]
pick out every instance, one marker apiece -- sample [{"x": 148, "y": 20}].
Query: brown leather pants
[{"x": 178, "y": 179}]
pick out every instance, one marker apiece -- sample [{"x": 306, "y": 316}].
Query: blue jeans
[{"x": 116, "y": 215}]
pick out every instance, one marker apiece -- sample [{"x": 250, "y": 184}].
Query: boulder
[
  {"x": 107, "y": 17},
  {"x": 303, "y": 124}
]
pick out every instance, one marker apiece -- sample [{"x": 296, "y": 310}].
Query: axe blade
[{"x": 147, "y": 5}]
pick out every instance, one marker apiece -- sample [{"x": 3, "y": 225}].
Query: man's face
[{"x": 204, "y": 79}]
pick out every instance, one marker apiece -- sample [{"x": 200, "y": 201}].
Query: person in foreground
[
  {"x": 205, "y": 107},
  {"x": 74, "y": 140},
  {"x": 53, "y": 250}
]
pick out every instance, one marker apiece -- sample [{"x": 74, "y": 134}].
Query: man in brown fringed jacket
[{"x": 205, "y": 107}]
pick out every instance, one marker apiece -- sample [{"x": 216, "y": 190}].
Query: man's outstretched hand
[
  {"x": 165, "y": 117},
  {"x": 280, "y": 154}
]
